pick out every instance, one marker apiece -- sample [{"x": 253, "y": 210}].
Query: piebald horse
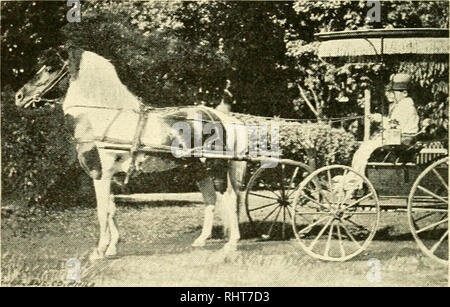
[{"x": 99, "y": 108}]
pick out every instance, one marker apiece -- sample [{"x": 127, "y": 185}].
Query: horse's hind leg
[
  {"x": 206, "y": 187},
  {"x": 231, "y": 198}
]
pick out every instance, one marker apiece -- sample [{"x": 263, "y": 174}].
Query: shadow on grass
[
  {"x": 388, "y": 233},
  {"x": 156, "y": 203}
]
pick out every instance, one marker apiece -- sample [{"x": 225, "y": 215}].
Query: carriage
[{"x": 332, "y": 222}]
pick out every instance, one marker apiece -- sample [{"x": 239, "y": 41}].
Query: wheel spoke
[
  {"x": 436, "y": 245},
  {"x": 356, "y": 224},
  {"x": 432, "y": 194},
  {"x": 351, "y": 236},
  {"x": 293, "y": 177},
  {"x": 341, "y": 245},
  {"x": 293, "y": 191},
  {"x": 289, "y": 212},
  {"x": 274, "y": 221},
  {"x": 263, "y": 196},
  {"x": 314, "y": 201},
  {"x": 327, "y": 246},
  {"x": 262, "y": 207},
  {"x": 432, "y": 225},
  {"x": 423, "y": 217},
  {"x": 271, "y": 190},
  {"x": 283, "y": 193},
  {"x": 440, "y": 178},
  {"x": 283, "y": 229},
  {"x": 307, "y": 228},
  {"x": 345, "y": 195},
  {"x": 329, "y": 179},
  {"x": 364, "y": 212},
  {"x": 321, "y": 232},
  {"x": 357, "y": 201},
  {"x": 271, "y": 212}
]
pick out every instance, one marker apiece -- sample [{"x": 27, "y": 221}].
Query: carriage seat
[
  {"x": 398, "y": 154},
  {"x": 415, "y": 152}
]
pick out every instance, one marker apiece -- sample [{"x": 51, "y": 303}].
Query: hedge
[
  {"x": 38, "y": 157},
  {"x": 301, "y": 141}
]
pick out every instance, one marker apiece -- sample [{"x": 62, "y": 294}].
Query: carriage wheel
[
  {"x": 336, "y": 213},
  {"x": 269, "y": 197},
  {"x": 428, "y": 211}
]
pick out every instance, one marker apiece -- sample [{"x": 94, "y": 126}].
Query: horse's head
[{"x": 52, "y": 68}]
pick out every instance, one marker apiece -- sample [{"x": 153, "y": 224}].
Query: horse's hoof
[
  {"x": 111, "y": 252},
  {"x": 199, "y": 242},
  {"x": 230, "y": 247},
  {"x": 96, "y": 256}
]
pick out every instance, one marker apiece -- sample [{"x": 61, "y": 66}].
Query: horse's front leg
[
  {"x": 113, "y": 231},
  {"x": 103, "y": 197}
]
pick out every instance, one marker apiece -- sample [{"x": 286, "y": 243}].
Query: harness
[
  {"x": 59, "y": 76},
  {"x": 136, "y": 143}
]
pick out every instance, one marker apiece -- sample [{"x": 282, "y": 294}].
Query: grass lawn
[{"x": 155, "y": 251}]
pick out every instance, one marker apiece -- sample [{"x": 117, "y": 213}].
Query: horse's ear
[{"x": 63, "y": 52}]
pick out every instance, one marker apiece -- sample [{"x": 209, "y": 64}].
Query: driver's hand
[{"x": 375, "y": 117}]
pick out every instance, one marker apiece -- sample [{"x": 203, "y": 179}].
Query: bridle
[{"x": 59, "y": 76}]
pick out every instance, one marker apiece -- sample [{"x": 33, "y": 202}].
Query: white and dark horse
[{"x": 100, "y": 108}]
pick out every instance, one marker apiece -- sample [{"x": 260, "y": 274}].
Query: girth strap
[{"x": 136, "y": 144}]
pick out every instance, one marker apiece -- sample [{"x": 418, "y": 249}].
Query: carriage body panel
[{"x": 393, "y": 169}]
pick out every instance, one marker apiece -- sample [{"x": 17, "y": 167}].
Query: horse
[{"x": 99, "y": 107}]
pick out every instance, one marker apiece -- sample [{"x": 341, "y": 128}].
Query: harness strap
[
  {"x": 136, "y": 144},
  {"x": 105, "y": 132}
]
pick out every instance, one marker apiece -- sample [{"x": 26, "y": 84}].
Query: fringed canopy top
[{"x": 377, "y": 42}]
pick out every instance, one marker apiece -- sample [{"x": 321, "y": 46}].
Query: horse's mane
[{"x": 97, "y": 84}]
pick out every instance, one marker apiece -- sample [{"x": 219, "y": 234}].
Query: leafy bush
[{"x": 38, "y": 157}]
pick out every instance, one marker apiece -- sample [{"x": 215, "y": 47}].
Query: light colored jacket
[{"x": 405, "y": 113}]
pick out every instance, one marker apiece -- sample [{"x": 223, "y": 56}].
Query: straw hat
[{"x": 398, "y": 82}]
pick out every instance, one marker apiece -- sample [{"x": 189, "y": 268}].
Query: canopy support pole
[{"x": 366, "y": 114}]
